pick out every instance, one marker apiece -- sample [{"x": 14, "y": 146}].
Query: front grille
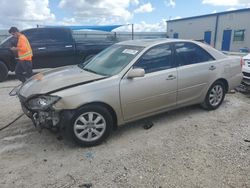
[
  {"x": 247, "y": 62},
  {"x": 246, "y": 74}
]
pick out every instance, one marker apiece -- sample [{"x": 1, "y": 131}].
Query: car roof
[
  {"x": 151, "y": 42},
  {"x": 147, "y": 43}
]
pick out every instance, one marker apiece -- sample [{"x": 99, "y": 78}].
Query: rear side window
[
  {"x": 58, "y": 35},
  {"x": 156, "y": 59},
  {"x": 188, "y": 53}
]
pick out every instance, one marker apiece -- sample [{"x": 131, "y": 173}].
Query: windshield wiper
[{"x": 89, "y": 70}]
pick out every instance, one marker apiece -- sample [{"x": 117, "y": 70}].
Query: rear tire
[
  {"x": 91, "y": 125},
  {"x": 215, "y": 96},
  {"x": 3, "y": 71}
]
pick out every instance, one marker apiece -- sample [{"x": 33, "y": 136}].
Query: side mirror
[{"x": 137, "y": 72}]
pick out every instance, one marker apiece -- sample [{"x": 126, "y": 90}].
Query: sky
[{"x": 146, "y": 15}]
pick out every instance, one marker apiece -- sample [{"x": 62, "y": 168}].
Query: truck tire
[{"x": 3, "y": 71}]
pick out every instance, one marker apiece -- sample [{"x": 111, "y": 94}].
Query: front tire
[
  {"x": 3, "y": 71},
  {"x": 91, "y": 125},
  {"x": 215, "y": 96}
]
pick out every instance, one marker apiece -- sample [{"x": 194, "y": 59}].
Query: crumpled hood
[{"x": 56, "y": 79}]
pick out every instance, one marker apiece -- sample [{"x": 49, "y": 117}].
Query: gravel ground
[{"x": 189, "y": 147}]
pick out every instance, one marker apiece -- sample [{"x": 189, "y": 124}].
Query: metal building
[{"x": 226, "y": 31}]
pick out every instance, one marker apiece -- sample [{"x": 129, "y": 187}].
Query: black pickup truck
[{"x": 52, "y": 47}]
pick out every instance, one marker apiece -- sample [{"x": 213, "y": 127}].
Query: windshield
[
  {"x": 111, "y": 60},
  {"x": 9, "y": 42}
]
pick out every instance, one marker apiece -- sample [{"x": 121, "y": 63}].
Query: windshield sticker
[{"x": 129, "y": 51}]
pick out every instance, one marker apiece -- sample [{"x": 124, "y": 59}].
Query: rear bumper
[{"x": 235, "y": 81}]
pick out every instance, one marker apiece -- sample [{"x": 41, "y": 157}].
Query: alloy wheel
[
  {"x": 89, "y": 126},
  {"x": 216, "y": 95}
]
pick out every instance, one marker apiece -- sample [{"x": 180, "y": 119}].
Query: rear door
[
  {"x": 156, "y": 90},
  {"x": 196, "y": 69}
]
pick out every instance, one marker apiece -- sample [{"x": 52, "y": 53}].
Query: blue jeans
[{"x": 23, "y": 70}]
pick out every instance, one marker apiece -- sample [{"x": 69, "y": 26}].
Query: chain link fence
[{"x": 113, "y": 36}]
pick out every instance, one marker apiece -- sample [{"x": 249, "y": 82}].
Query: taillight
[{"x": 242, "y": 62}]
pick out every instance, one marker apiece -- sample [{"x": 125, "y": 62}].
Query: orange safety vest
[{"x": 24, "y": 49}]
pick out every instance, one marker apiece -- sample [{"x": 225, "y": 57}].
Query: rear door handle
[
  {"x": 171, "y": 77},
  {"x": 212, "y": 67},
  {"x": 68, "y": 46},
  {"x": 42, "y": 48}
]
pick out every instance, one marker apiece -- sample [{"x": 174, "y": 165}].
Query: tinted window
[
  {"x": 35, "y": 35},
  {"x": 50, "y": 35},
  {"x": 188, "y": 53},
  {"x": 58, "y": 35},
  {"x": 9, "y": 42},
  {"x": 156, "y": 59}
]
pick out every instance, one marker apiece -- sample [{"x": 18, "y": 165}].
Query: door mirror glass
[{"x": 138, "y": 72}]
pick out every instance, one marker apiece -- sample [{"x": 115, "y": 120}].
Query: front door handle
[
  {"x": 68, "y": 46},
  {"x": 171, "y": 77},
  {"x": 212, "y": 67}
]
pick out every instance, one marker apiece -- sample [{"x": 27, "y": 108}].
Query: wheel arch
[
  {"x": 6, "y": 64},
  {"x": 224, "y": 81},
  {"x": 108, "y": 107}
]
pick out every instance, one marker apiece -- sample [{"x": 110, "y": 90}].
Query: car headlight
[{"x": 42, "y": 102}]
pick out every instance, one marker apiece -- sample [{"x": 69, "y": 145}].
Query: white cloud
[
  {"x": 24, "y": 13},
  {"x": 99, "y": 11},
  {"x": 170, "y": 3},
  {"x": 227, "y": 2},
  {"x": 176, "y": 18},
  {"x": 135, "y": 2},
  {"x": 144, "y": 8},
  {"x": 230, "y": 9},
  {"x": 145, "y": 27}
]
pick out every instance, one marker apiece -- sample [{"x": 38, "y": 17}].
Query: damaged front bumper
[
  {"x": 43, "y": 119},
  {"x": 50, "y": 119},
  {"x": 45, "y": 116}
]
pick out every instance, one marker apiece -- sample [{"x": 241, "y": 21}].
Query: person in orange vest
[{"x": 23, "y": 67}]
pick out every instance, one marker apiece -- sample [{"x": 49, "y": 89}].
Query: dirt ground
[{"x": 189, "y": 147}]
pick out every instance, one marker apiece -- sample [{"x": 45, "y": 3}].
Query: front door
[
  {"x": 156, "y": 90},
  {"x": 226, "y": 40}
]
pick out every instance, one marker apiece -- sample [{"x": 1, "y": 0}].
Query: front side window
[
  {"x": 239, "y": 35},
  {"x": 112, "y": 60},
  {"x": 189, "y": 53},
  {"x": 156, "y": 59},
  {"x": 35, "y": 35}
]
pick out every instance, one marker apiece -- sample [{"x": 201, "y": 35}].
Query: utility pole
[{"x": 132, "y": 31}]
